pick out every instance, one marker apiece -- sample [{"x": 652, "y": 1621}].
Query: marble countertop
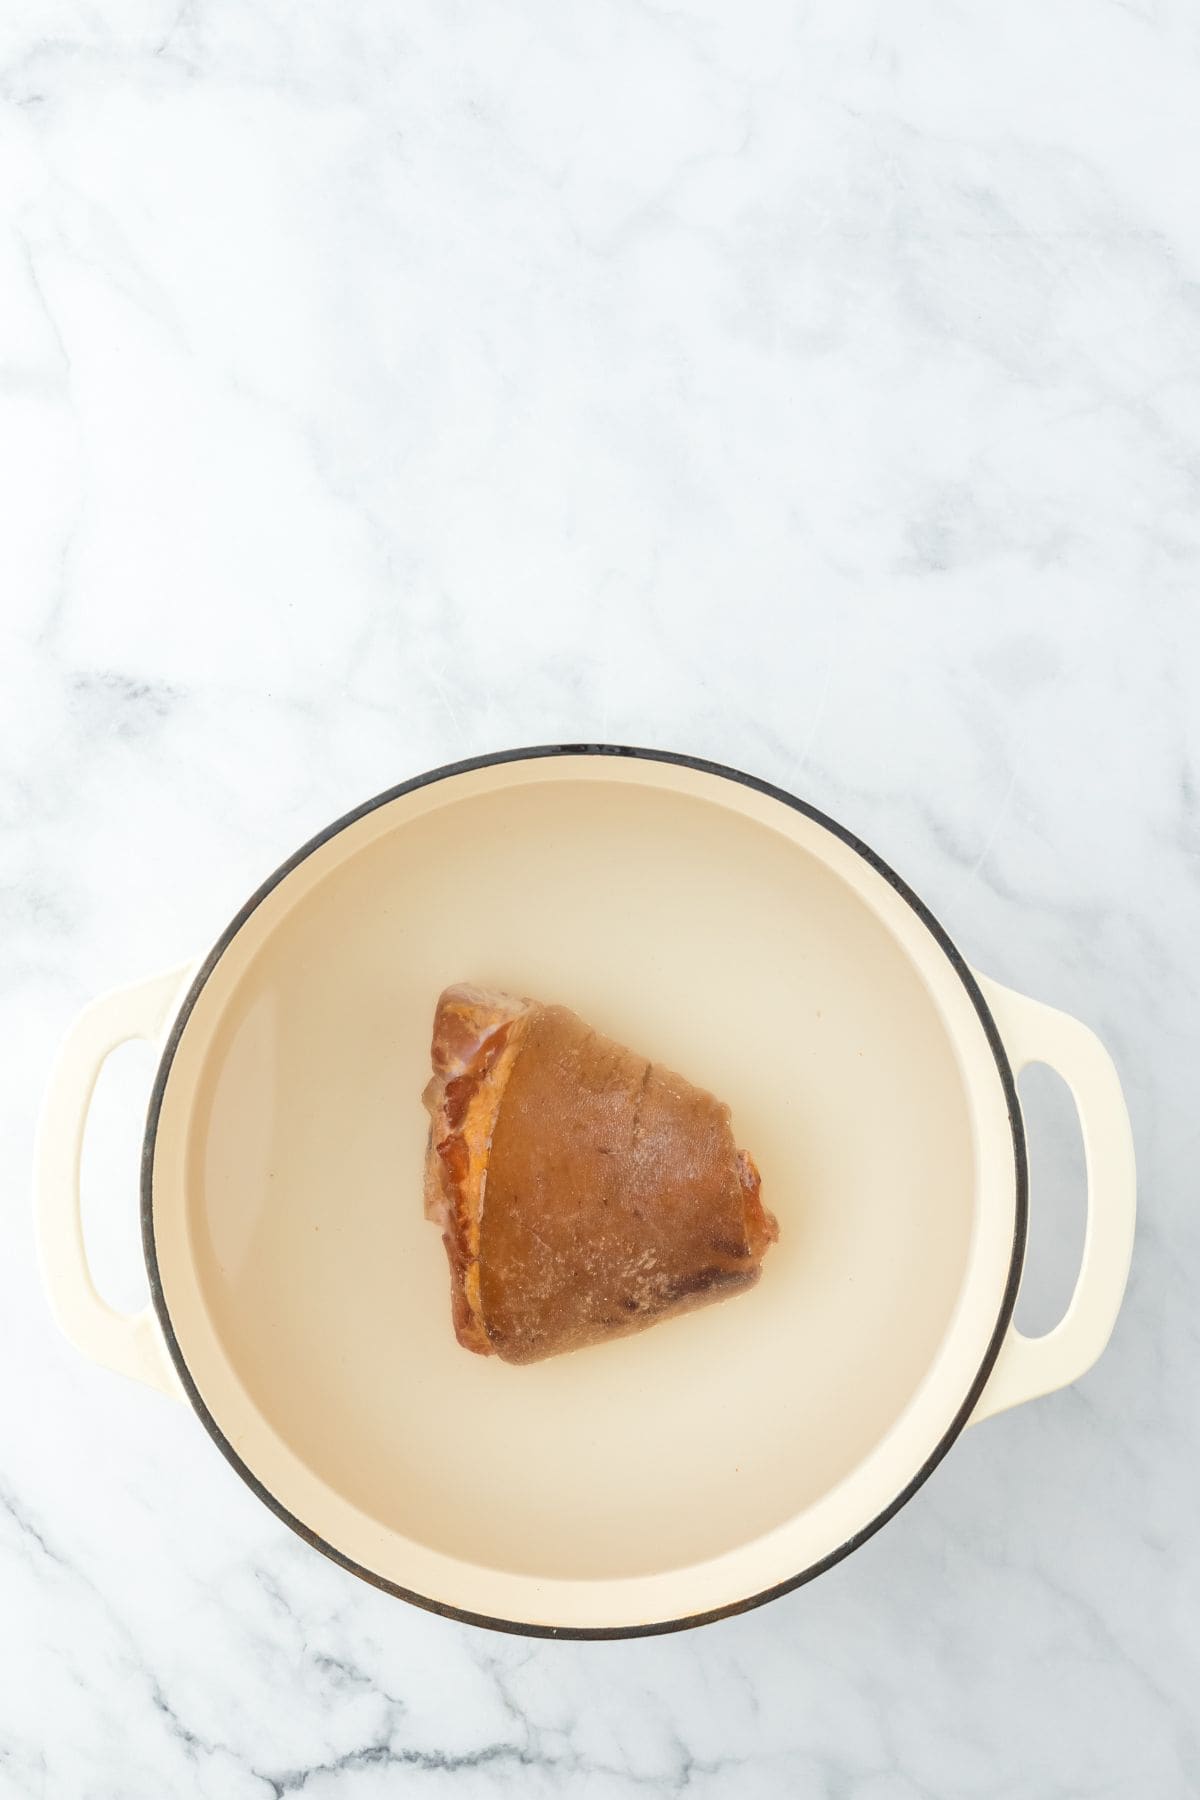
[{"x": 815, "y": 388}]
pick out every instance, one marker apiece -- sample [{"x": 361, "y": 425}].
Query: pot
[{"x": 299, "y": 1298}]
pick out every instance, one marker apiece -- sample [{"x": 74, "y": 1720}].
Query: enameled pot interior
[{"x": 309, "y": 1296}]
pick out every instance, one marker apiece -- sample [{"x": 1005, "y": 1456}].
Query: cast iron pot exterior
[{"x": 136, "y": 1345}]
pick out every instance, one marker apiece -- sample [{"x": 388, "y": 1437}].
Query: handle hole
[
  {"x": 1057, "y": 1200},
  {"x": 109, "y": 1176}
]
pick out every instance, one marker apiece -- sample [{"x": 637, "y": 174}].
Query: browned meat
[{"x": 583, "y": 1192}]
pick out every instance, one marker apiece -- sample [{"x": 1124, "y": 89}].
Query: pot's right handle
[
  {"x": 1033, "y": 1033},
  {"x": 129, "y": 1342}
]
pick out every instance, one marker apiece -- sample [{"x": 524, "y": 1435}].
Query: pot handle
[
  {"x": 129, "y": 1342},
  {"x": 1027, "y": 1367}
]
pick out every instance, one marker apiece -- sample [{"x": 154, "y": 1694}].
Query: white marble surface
[{"x": 813, "y": 387}]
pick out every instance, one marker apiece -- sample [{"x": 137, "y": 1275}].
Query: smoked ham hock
[{"x": 582, "y": 1191}]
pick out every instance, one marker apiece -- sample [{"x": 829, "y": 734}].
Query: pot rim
[{"x": 1003, "y": 1069}]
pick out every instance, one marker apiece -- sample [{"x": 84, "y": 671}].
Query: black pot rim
[{"x": 1003, "y": 1069}]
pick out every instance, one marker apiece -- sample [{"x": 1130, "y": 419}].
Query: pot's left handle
[{"x": 129, "y": 1342}]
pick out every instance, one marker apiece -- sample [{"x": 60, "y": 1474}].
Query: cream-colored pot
[{"x": 300, "y": 1299}]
